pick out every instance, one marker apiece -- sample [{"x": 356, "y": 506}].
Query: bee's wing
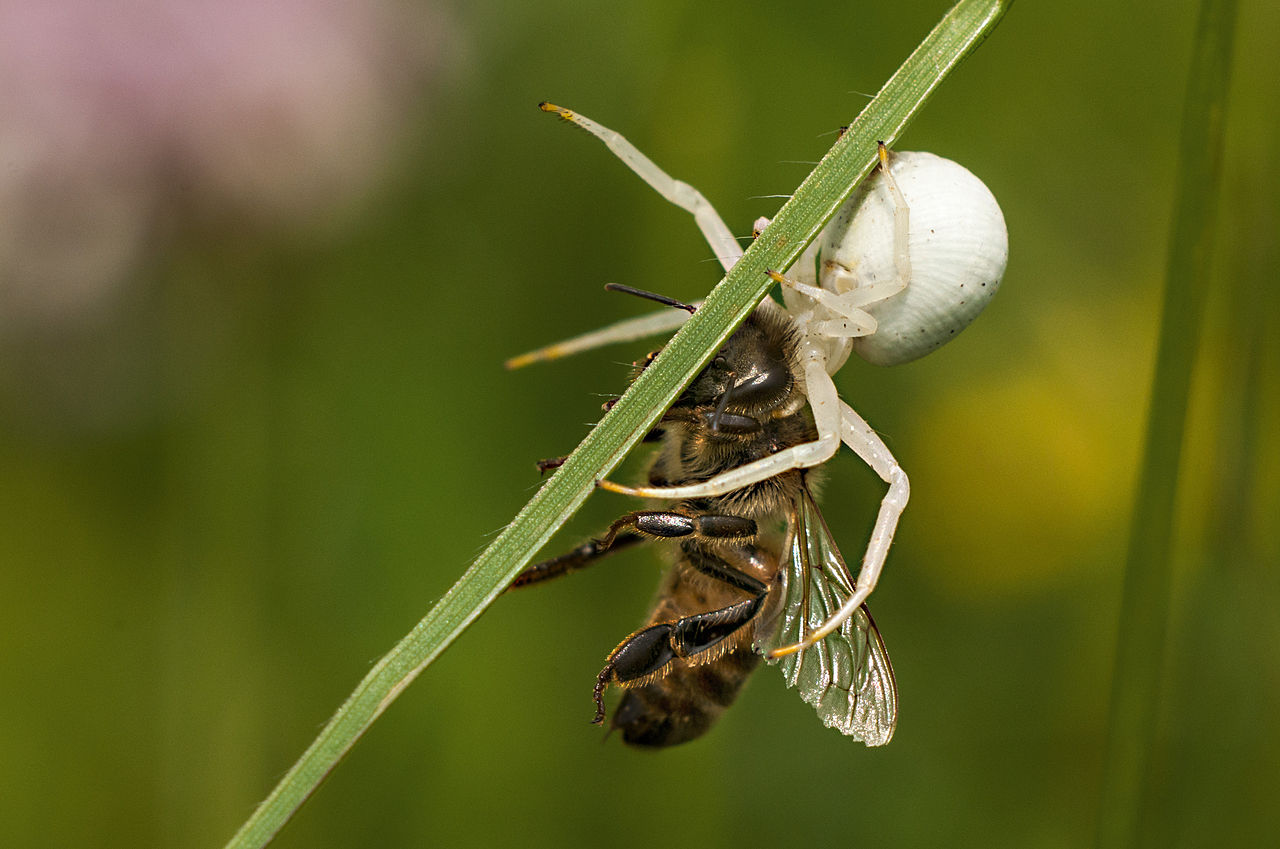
[{"x": 847, "y": 676}]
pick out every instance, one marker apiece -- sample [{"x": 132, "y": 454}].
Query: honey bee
[{"x": 754, "y": 568}]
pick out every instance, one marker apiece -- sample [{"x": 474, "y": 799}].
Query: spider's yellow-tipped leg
[
  {"x": 623, "y": 331},
  {"x": 718, "y": 235}
]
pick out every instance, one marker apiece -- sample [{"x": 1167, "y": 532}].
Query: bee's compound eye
[{"x": 764, "y": 386}]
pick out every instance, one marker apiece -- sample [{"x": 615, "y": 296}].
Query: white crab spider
[{"x": 905, "y": 264}]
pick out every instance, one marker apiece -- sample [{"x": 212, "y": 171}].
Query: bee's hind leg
[
  {"x": 649, "y": 653},
  {"x": 668, "y": 524}
]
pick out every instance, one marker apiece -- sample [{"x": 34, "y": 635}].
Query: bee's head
[{"x": 751, "y": 375}]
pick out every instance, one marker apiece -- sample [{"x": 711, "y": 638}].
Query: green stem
[
  {"x": 1144, "y": 607},
  {"x": 799, "y": 220}
]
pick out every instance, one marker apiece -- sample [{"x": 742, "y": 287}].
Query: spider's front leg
[
  {"x": 714, "y": 230},
  {"x": 717, "y": 234}
]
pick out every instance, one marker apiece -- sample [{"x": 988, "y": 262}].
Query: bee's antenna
[{"x": 652, "y": 296}]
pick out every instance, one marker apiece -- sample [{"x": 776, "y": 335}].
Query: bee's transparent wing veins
[{"x": 847, "y": 677}]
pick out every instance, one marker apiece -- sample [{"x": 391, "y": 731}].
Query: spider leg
[
  {"x": 853, "y": 295},
  {"x": 717, "y": 234},
  {"x": 683, "y": 195},
  {"x": 623, "y": 331},
  {"x": 864, "y": 441},
  {"x": 901, "y": 221},
  {"x": 826, "y": 417},
  {"x": 851, "y": 321},
  {"x": 841, "y": 293}
]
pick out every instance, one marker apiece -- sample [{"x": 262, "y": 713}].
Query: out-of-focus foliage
[{"x": 244, "y": 451}]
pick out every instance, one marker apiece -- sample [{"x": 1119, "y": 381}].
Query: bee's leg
[
  {"x": 859, "y": 436},
  {"x": 580, "y": 558},
  {"x": 649, "y": 653},
  {"x": 667, "y": 524},
  {"x": 637, "y": 527},
  {"x": 826, "y": 418},
  {"x": 550, "y": 464}
]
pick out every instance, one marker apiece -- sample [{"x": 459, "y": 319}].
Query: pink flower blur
[{"x": 116, "y": 115}]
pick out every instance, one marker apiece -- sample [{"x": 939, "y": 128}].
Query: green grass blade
[
  {"x": 799, "y": 220},
  {"x": 1144, "y": 605}
]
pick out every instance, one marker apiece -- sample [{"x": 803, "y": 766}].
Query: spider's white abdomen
[{"x": 958, "y": 248}]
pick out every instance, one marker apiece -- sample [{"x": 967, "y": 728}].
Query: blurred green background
[{"x": 255, "y": 294}]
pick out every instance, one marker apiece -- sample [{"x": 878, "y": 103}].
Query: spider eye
[{"x": 719, "y": 361}]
